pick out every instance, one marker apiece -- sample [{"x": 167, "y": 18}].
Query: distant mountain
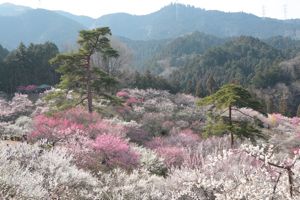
[
  {"x": 83, "y": 20},
  {"x": 19, "y": 23},
  {"x": 167, "y": 54},
  {"x": 38, "y": 26},
  {"x": 143, "y": 50},
  {"x": 176, "y": 20},
  {"x": 8, "y": 9},
  {"x": 246, "y": 60}
]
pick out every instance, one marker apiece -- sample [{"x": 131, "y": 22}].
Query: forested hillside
[
  {"x": 23, "y": 24},
  {"x": 176, "y": 19},
  {"x": 27, "y": 65},
  {"x": 38, "y": 26},
  {"x": 200, "y": 63}
]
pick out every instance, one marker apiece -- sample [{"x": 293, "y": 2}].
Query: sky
[{"x": 281, "y": 9}]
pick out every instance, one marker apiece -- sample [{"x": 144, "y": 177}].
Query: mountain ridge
[{"x": 169, "y": 22}]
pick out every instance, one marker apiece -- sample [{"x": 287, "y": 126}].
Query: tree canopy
[
  {"x": 79, "y": 73},
  {"x": 231, "y": 97}
]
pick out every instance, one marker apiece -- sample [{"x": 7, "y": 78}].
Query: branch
[
  {"x": 81, "y": 101},
  {"x": 288, "y": 168},
  {"x": 275, "y": 186},
  {"x": 223, "y": 111},
  {"x": 243, "y": 113}
]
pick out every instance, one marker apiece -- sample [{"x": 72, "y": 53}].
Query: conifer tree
[
  {"x": 269, "y": 105},
  {"x": 78, "y": 72},
  {"x": 283, "y": 107},
  {"x": 211, "y": 84},
  {"x": 189, "y": 87},
  {"x": 198, "y": 89},
  {"x": 298, "y": 111},
  {"x": 232, "y": 97}
]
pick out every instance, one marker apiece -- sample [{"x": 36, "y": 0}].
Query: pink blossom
[
  {"x": 132, "y": 100},
  {"x": 21, "y": 87},
  {"x": 79, "y": 115},
  {"x": 30, "y": 87},
  {"x": 173, "y": 156},
  {"x": 156, "y": 143},
  {"x": 114, "y": 151},
  {"x": 122, "y": 94},
  {"x": 124, "y": 109},
  {"x": 103, "y": 127},
  {"x": 54, "y": 129},
  {"x": 295, "y": 121}
]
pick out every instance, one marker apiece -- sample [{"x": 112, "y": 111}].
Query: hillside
[
  {"x": 8, "y": 9},
  {"x": 175, "y": 20},
  {"x": 38, "y": 26},
  {"x": 174, "y": 52},
  {"x": 240, "y": 59},
  {"x": 21, "y": 23}
]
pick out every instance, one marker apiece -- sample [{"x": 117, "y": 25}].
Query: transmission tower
[
  {"x": 176, "y": 10},
  {"x": 285, "y": 11},
  {"x": 263, "y": 11}
]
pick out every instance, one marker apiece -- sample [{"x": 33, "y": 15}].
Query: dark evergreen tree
[
  {"x": 283, "y": 106},
  {"x": 28, "y": 66},
  {"x": 269, "y": 105},
  {"x": 231, "y": 97},
  {"x": 79, "y": 74},
  {"x": 211, "y": 84},
  {"x": 298, "y": 111},
  {"x": 189, "y": 87},
  {"x": 198, "y": 89}
]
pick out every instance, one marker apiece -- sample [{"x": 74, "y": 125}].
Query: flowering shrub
[
  {"x": 96, "y": 158},
  {"x": 21, "y": 127},
  {"x": 55, "y": 129},
  {"x": 123, "y": 94},
  {"x": 151, "y": 162},
  {"x": 152, "y": 108},
  {"x": 138, "y": 136},
  {"x": 115, "y": 152},
  {"x": 30, "y": 172},
  {"x": 70, "y": 123},
  {"x": 20, "y": 105},
  {"x": 94, "y": 141},
  {"x": 173, "y": 156}
]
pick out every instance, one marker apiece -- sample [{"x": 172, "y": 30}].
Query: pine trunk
[
  {"x": 230, "y": 127},
  {"x": 89, "y": 89}
]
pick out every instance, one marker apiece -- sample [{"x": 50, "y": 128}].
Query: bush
[{"x": 115, "y": 152}]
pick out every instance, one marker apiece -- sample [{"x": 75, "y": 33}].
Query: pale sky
[{"x": 281, "y": 9}]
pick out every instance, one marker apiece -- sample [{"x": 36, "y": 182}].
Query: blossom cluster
[{"x": 152, "y": 150}]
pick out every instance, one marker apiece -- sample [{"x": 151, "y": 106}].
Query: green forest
[{"x": 196, "y": 64}]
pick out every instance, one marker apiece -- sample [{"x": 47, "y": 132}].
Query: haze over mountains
[{"x": 19, "y": 23}]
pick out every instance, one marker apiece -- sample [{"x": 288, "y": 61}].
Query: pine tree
[
  {"x": 283, "y": 107},
  {"x": 232, "y": 97},
  {"x": 198, "y": 90},
  {"x": 211, "y": 84},
  {"x": 298, "y": 111},
  {"x": 189, "y": 87},
  {"x": 78, "y": 72},
  {"x": 269, "y": 105}
]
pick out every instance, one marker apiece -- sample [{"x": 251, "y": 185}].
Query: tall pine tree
[
  {"x": 232, "y": 97},
  {"x": 78, "y": 72}
]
